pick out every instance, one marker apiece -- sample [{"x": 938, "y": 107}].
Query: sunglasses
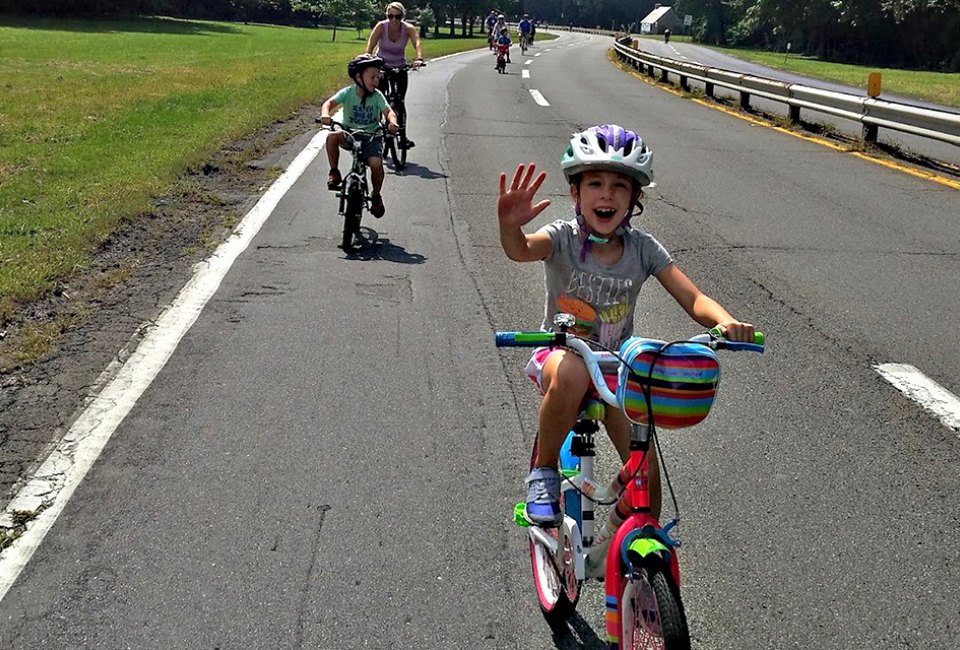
[{"x": 394, "y": 16}]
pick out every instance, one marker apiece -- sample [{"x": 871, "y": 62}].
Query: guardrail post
[
  {"x": 745, "y": 101},
  {"x": 794, "y": 113},
  {"x": 708, "y": 89},
  {"x": 870, "y": 133},
  {"x": 684, "y": 83},
  {"x": 663, "y": 75}
]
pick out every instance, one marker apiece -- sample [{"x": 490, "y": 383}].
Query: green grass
[
  {"x": 98, "y": 117},
  {"x": 938, "y": 87}
]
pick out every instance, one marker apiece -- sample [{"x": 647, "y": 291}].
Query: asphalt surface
[{"x": 331, "y": 457}]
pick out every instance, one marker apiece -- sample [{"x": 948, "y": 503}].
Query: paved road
[{"x": 330, "y": 458}]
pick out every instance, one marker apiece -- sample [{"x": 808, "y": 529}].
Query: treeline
[{"x": 923, "y": 34}]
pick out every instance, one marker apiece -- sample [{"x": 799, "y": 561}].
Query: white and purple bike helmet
[{"x": 608, "y": 147}]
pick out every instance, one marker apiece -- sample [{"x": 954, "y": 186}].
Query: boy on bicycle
[
  {"x": 594, "y": 265},
  {"x": 504, "y": 42},
  {"x": 363, "y": 108}
]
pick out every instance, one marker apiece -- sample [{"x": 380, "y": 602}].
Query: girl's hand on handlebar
[
  {"x": 734, "y": 330},
  {"x": 515, "y": 207},
  {"x": 326, "y": 120},
  {"x": 392, "y": 128}
]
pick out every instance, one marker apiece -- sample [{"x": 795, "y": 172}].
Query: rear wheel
[
  {"x": 651, "y": 612},
  {"x": 351, "y": 218},
  {"x": 558, "y": 589}
]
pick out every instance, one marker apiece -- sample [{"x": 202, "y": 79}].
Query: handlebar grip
[
  {"x": 758, "y": 337},
  {"x": 525, "y": 339}
]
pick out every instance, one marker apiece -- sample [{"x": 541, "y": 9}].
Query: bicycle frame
[
  {"x": 354, "y": 194},
  {"x": 638, "y": 541}
]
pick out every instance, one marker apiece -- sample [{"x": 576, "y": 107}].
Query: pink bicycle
[{"x": 657, "y": 384}]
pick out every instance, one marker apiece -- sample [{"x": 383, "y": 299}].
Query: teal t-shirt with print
[{"x": 358, "y": 114}]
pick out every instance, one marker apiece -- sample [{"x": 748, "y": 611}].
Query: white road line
[
  {"x": 923, "y": 390},
  {"x": 525, "y": 73},
  {"x": 55, "y": 481},
  {"x": 537, "y": 97},
  {"x": 538, "y": 54},
  {"x": 528, "y": 62}
]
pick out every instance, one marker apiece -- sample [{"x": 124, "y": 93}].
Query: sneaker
[
  {"x": 376, "y": 206},
  {"x": 543, "y": 498},
  {"x": 334, "y": 179}
]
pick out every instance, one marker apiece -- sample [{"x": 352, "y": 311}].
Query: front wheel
[
  {"x": 651, "y": 613},
  {"x": 351, "y": 218}
]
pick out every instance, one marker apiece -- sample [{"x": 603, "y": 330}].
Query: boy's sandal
[
  {"x": 377, "y": 208},
  {"x": 334, "y": 179}
]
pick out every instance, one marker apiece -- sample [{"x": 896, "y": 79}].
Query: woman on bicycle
[
  {"x": 390, "y": 38},
  {"x": 594, "y": 265}
]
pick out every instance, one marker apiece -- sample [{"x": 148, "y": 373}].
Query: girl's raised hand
[{"x": 515, "y": 207}]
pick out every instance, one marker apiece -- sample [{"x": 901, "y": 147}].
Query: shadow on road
[
  {"x": 413, "y": 169},
  {"x": 577, "y": 635},
  {"x": 373, "y": 248}
]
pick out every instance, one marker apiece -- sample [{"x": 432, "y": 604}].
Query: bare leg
[
  {"x": 333, "y": 145},
  {"x": 376, "y": 173},
  {"x": 565, "y": 382}
]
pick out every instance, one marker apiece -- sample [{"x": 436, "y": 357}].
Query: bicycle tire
[
  {"x": 392, "y": 151},
  {"x": 558, "y": 590},
  {"x": 400, "y": 160},
  {"x": 651, "y": 612},
  {"x": 351, "y": 218}
]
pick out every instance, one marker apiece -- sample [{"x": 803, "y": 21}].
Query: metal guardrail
[{"x": 870, "y": 112}]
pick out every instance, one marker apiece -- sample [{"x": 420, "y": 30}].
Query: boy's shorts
[{"x": 372, "y": 147}]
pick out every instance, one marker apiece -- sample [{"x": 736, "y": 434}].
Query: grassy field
[
  {"x": 98, "y": 117},
  {"x": 938, "y": 87}
]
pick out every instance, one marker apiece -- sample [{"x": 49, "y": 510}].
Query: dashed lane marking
[
  {"x": 929, "y": 394},
  {"x": 537, "y": 97},
  {"x": 525, "y": 73}
]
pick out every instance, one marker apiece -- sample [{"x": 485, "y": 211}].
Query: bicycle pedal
[{"x": 518, "y": 517}]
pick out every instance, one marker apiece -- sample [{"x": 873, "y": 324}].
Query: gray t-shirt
[{"x": 602, "y": 298}]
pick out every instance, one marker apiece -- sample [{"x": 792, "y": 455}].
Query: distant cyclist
[
  {"x": 504, "y": 42},
  {"x": 491, "y": 23},
  {"x": 390, "y": 37},
  {"x": 526, "y": 29}
]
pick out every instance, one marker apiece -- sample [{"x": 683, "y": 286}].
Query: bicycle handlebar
[
  {"x": 594, "y": 359},
  {"x": 353, "y": 132}
]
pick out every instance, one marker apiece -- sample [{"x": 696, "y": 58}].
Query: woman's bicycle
[
  {"x": 354, "y": 193},
  {"x": 676, "y": 382},
  {"x": 397, "y": 145}
]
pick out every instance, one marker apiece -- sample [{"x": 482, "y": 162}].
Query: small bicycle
[
  {"x": 524, "y": 42},
  {"x": 670, "y": 385},
  {"x": 501, "y": 59},
  {"x": 397, "y": 145},
  {"x": 354, "y": 192}
]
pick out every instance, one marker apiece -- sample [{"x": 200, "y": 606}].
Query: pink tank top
[{"x": 392, "y": 51}]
